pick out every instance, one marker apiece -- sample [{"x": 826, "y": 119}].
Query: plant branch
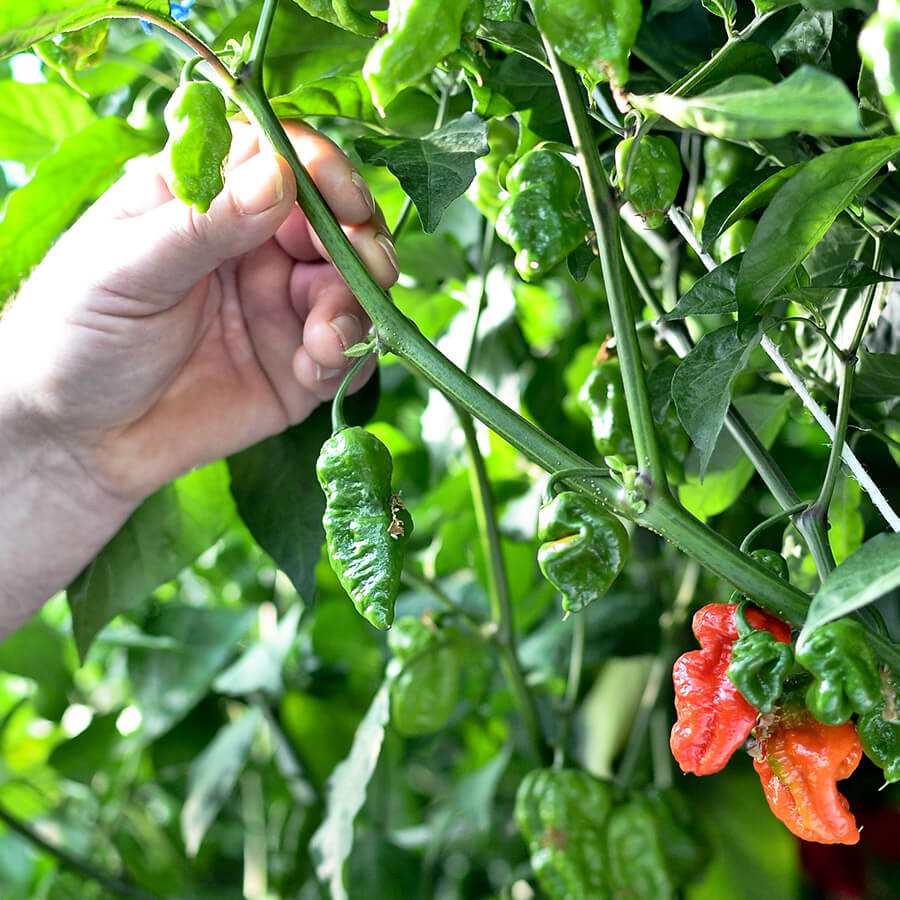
[
  {"x": 573, "y": 685},
  {"x": 254, "y": 67}
]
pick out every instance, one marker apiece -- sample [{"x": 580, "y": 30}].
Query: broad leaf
[
  {"x": 514, "y": 83},
  {"x": 745, "y": 107},
  {"x": 433, "y": 170},
  {"x": 341, "y": 96},
  {"x": 82, "y": 168},
  {"x": 878, "y": 376},
  {"x": 167, "y": 532},
  {"x": 331, "y": 844},
  {"x": 213, "y": 775},
  {"x": 800, "y": 214},
  {"x": 24, "y": 22},
  {"x": 860, "y": 579},
  {"x": 701, "y": 386},
  {"x": 34, "y": 118},
  {"x": 711, "y": 294}
]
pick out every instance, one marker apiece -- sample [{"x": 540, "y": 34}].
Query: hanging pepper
[
  {"x": 562, "y": 815},
  {"x": 845, "y": 671},
  {"x": 655, "y": 176},
  {"x": 799, "y": 761},
  {"x": 773, "y": 561},
  {"x": 714, "y": 719},
  {"x": 540, "y": 220},
  {"x": 199, "y": 141},
  {"x": 879, "y": 730},
  {"x": 603, "y": 398},
  {"x": 760, "y": 661},
  {"x": 366, "y": 527},
  {"x": 583, "y": 548}
]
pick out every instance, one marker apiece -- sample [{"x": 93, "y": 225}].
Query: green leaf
[
  {"x": 331, "y": 844},
  {"x": 724, "y": 9},
  {"x": 82, "y": 168},
  {"x": 342, "y": 96},
  {"x": 747, "y": 107},
  {"x": 39, "y": 651},
  {"x": 80, "y": 758},
  {"x": 34, "y": 118},
  {"x": 845, "y": 521},
  {"x": 167, "y": 532},
  {"x": 514, "y": 83},
  {"x": 855, "y": 275},
  {"x": 711, "y": 294},
  {"x": 213, "y": 775},
  {"x": 860, "y": 579},
  {"x": 878, "y": 376},
  {"x": 799, "y": 215},
  {"x": 169, "y": 683},
  {"x": 701, "y": 386},
  {"x": 433, "y": 170},
  {"x": 24, "y": 22},
  {"x": 806, "y": 41}
]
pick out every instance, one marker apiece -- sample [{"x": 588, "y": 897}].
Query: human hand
[{"x": 153, "y": 339}]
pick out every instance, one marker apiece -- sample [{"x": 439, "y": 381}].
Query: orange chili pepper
[
  {"x": 799, "y": 762},
  {"x": 714, "y": 719}
]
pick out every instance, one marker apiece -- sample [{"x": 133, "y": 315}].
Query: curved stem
[
  {"x": 338, "y": 422},
  {"x": 747, "y": 542},
  {"x": 819, "y": 510}
]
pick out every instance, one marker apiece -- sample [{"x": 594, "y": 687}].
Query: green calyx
[{"x": 648, "y": 175}]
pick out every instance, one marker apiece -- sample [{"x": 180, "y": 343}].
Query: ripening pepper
[
  {"x": 714, "y": 719},
  {"x": 366, "y": 526},
  {"x": 637, "y": 858},
  {"x": 540, "y": 220},
  {"x": 583, "y": 548},
  {"x": 845, "y": 671},
  {"x": 562, "y": 815},
  {"x": 655, "y": 176},
  {"x": 799, "y": 761},
  {"x": 198, "y": 144}
]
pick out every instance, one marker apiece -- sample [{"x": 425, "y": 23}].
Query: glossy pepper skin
[
  {"x": 198, "y": 144},
  {"x": 759, "y": 664},
  {"x": 562, "y": 815},
  {"x": 583, "y": 548},
  {"x": 366, "y": 528},
  {"x": 799, "y": 761},
  {"x": 540, "y": 219},
  {"x": 603, "y": 398},
  {"x": 714, "y": 719},
  {"x": 845, "y": 671},
  {"x": 655, "y": 176},
  {"x": 880, "y": 740}
]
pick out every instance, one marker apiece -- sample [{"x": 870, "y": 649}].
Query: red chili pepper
[
  {"x": 800, "y": 761},
  {"x": 714, "y": 719}
]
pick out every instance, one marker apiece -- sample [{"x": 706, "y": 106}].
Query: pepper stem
[{"x": 338, "y": 422}]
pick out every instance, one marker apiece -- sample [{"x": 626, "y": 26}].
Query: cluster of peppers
[
  {"x": 798, "y": 705},
  {"x": 588, "y": 840}
]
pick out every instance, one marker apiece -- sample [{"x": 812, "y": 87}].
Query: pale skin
[{"x": 153, "y": 339}]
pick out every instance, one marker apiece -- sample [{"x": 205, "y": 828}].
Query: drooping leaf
[
  {"x": 331, "y": 844},
  {"x": 167, "y": 532},
  {"x": 433, "y": 170},
  {"x": 711, "y": 294},
  {"x": 83, "y": 166},
  {"x": 342, "y": 96},
  {"x": 25, "y": 22},
  {"x": 845, "y": 521},
  {"x": 863, "y": 577},
  {"x": 746, "y": 107},
  {"x": 701, "y": 386},
  {"x": 799, "y": 215},
  {"x": 213, "y": 775}
]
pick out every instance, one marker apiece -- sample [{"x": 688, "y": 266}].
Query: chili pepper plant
[{"x": 640, "y": 370}]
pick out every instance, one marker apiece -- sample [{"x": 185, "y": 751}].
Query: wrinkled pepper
[
  {"x": 562, "y": 815},
  {"x": 583, "y": 548},
  {"x": 799, "y": 761},
  {"x": 603, "y": 398},
  {"x": 637, "y": 860},
  {"x": 366, "y": 526},
  {"x": 198, "y": 144},
  {"x": 880, "y": 740},
  {"x": 714, "y": 719},
  {"x": 845, "y": 671},
  {"x": 540, "y": 220},
  {"x": 655, "y": 176}
]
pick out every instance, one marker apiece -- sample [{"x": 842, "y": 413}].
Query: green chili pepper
[
  {"x": 603, "y": 398},
  {"x": 73, "y": 51},
  {"x": 684, "y": 847},
  {"x": 655, "y": 176},
  {"x": 773, "y": 561},
  {"x": 759, "y": 665},
  {"x": 845, "y": 671},
  {"x": 583, "y": 550},
  {"x": 199, "y": 141},
  {"x": 637, "y": 860},
  {"x": 419, "y": 36},
  {"x": 562, "y": 815},
  {"x": 541, "y": 220},
  {"x": 593, "y": 35},
  {"x": 366, "y": 527},
  {"x": 880, "y": 738},
  {"x": 343, "y": 14}
]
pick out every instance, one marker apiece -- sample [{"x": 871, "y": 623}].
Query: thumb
[{"x": 164, "y": 252}]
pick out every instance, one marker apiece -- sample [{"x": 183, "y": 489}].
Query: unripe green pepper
[
  {"x": 562, "y": 815},
  {"x": 366, "y": 526},
  {"x": 685, "y": 850},
  {"x": 846, "y": 674},
  {"x": 637, "y": 861},
  {"x": 773, "y": 561},
  {"x": 199, "y": 141},
  {"x": 541, "y": 220},
  {"x": 880, "y": 738},
  {"x": 603, "y": 398},
  {"x": 655, "y": 176},
  {"x": 733, "y": 240}
]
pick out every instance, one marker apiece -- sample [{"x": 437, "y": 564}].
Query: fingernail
[
  {"x": 257, "y": 185},
  {"x": 348, "y": 329},
  {"x": 387, "y": 245},
  {"x": 360, "y": 183},
  {"x": 323, "y": 374}
]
